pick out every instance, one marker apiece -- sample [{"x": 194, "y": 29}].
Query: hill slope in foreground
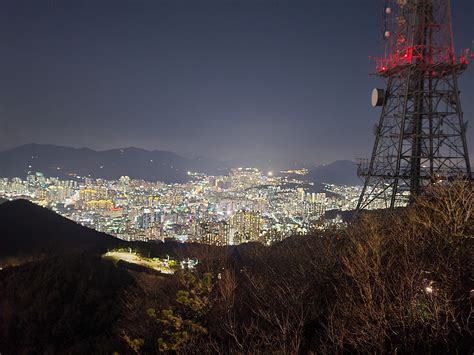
[
  {"x": 28, "y": 230},
  {"x": 391, "y": 281},
  {"x": 58, "y": 293}
]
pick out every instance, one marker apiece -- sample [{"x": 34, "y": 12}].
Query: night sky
[{"x": 226, "y": 79}]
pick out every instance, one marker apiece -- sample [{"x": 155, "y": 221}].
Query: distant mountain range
[{"x": 66, "y": 162}]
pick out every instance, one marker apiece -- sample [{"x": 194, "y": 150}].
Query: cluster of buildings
[{"x": 244, "y": 206}]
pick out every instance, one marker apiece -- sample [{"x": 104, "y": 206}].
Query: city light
[{"x": 240, "y": 207}]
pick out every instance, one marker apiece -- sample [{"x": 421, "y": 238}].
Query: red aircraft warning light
[{"x": 416, "y": 32}]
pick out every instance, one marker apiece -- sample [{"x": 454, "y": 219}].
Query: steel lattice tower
[{"x": 421, "y": 135}]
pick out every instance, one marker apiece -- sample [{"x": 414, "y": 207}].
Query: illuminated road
[{"x": 133, "y": 258}]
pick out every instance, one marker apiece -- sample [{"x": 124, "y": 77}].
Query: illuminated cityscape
[
  {"x": 236, "y": 177},
  {"x": 246, "y": 205}
]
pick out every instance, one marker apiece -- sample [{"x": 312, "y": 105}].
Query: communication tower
[{"x": 421, "y": 135}]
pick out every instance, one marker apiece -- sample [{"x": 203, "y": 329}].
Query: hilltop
[{"x": 29, "y": 230}]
